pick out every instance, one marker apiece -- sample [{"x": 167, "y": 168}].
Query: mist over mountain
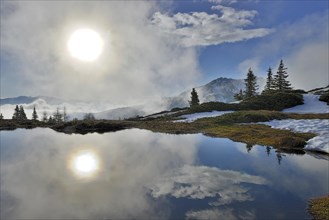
[
  {"x": 29, "y": 99},
  {"x": 220, "y": 89}
]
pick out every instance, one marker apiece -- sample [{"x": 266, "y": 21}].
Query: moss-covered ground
[{"x": 319, "y": 208}]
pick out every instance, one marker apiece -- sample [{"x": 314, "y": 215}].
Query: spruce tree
[
  {"x": 89, "y": 116},
  {"x": 65, "y": 116},
  {"x": 44, "y": 117},
  {"x": 58, "y": 117},
  {"x": 51, "y": 120},
  {"x": 269, "y": 81},
  {"x": 239, "y": 96},
  {"x": 34, "y": 114},
  {"x": 16, "y": 113},
  {"x": 250, "y": 84},
  {"x": 194, "y": 98},
  {"x": 1, "y": 116},
  {"x": 21, "y": 114},
  {"x": 280, "y": 81}
]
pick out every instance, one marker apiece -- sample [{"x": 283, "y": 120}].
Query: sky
[{"x": 154, "y": 49}]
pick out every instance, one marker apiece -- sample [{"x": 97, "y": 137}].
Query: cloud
[
  {"x": 226, "y": 213},
  {"x": 57, "y": 193},
  {"x": 211, "y": 214},
  {"x": 303, "y": 46},
  {"x": 223, "y": 1},
  {"x": 199, "y": 182},
  {"x": 138, "y": 63},
  {"x": 308, "y": 66},
  {"x": 203, "y": 29},
  {"x": 252, "y": 63}
]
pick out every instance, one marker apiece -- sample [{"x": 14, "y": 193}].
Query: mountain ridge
[{"x": 221, "y": 89}]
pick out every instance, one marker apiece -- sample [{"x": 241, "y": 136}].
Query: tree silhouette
[
  {"x": 34, "y": 114},
  {"x": 21, "y": 114},
  {"x": 250, "y": 84},
  {"x": 269, "y": 81},
  {"x": 16, "y": 113},
  {"x": 1, "y": 116},
  {"x": 280, "y": 81},
  {"x": 58, "y": 117},
  {"x": 268, "y": 151},
  {"x": 249, "y": 147},
  {"x": 239, "y": 96},
  {"x": 51, "y": 120},
  {"x": 194, "y": 98},
  {"x": 89, "y": 116},
  {"x": 65, "y": 116},
  {"x": 279, "y": 157},
  {"x": 44, "y": 116}
]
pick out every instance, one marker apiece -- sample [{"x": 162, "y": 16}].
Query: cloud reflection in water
[{"x": 37, "y": 181}]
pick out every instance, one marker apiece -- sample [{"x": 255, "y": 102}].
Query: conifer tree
[
  {"x": 250, "y": 84},
  {"x": 280, "y": 81},
  {"x": 268, "y": 150},
  {"x": 194, "y": 98},
  {"x": 16, "y": 113},
  {"x": 1, "y": 116},
  {"x": 51, "y": 120},
  {"x": 21, "y": 113},
  {"x": 65, "y": 116},
  {"x": 249, "y": 147},
  {"x": 34, "y": 114},
  {"x": 44, "y": 117},
  {"x": 269, "y": 81},
  {"x": 89, "y": 116},
  {"x": 239, "y": 96},
  {"x": 58, "y": 117}
]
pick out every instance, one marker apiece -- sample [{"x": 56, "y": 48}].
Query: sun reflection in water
[{"x": 85, "y": 164}]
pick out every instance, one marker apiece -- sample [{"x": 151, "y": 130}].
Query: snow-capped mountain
[{"x": 219, "y": 90}]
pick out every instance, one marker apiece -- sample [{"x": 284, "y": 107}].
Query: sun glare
[
  {"x": 85, "y": 164},
  {"x": 85, "y": 45}
]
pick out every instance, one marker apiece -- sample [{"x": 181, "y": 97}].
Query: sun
[
  {"x": 85, "y": 163},
  {"x": 85, "y": 44}
]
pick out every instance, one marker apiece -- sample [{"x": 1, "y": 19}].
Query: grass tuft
[{"x": 319, "y": 208}]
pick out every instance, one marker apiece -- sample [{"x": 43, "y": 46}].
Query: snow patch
[
  {"x": 195, "y": 116},
  {"x": 317, "y": 126},
  {"x": 311, "y": 105}
]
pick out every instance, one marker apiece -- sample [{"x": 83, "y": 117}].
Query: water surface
[{"x": 139, "y": 174}]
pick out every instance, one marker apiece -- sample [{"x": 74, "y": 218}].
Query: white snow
[
  {"x": 195, "y": 116},
  {"x": 317, "y": 126},
  {"x": 311, "y": 105}
]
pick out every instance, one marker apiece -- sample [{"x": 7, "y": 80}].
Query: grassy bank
[
  {"x": 319, "y": 208},
  {"x": 229, "y": 126},
  {"x": 226, "y": 126},
  {"x": 274, "y": 101}
]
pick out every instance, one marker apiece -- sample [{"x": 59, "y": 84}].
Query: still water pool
[{"x": 135, "y": 174}]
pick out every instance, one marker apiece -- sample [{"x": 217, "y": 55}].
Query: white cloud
[
  {"x": 126, "y": 168},
  {"x": 303, "y": 46},
  {"x": 211, "y": 214},
  {"x": 138, "y": 62},
  {"x": 223, "y": 1},
  {"x": 203, "y": 29},
  {"x": 252, "y": 63},
  {"x": 308, "y": 66},
  {"x": 199, "y": 182},
  {"x": 226, "y": 213}
]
